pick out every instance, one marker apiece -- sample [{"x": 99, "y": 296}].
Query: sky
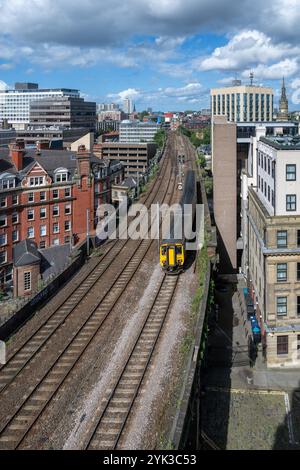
[{"x": 164, "y": 54}]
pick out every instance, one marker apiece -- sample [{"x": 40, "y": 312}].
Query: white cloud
[
  {"x": 244, "y": 49},
  {"x": 284, "y": 68}
]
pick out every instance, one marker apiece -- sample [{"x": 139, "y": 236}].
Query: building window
[
  {"x": 282, "y": 345},
  {"x": 298, "y": 238},
  {"x": 43, "y": 230},
  {"x": 291, "y": 202},
  {"x": 298, "y": 304},
  {"x": 3, "y": 202},
  {"x": 61, "y": 177},
  {"x": 269, "y": 194},
  {"x": 55, "y": 228},
  {"x": 3, "y": 220},
  {"x": 281, "y": 272},
  {"x": 15, "y": 199},
  {"x": 55, "y": 241},
  {"x": 281, "y": 238},
  {"x": 281, "y": 306},
  {"x": 290, "y": 172},
  {"x": 298, "y": 271},
  {"x": 67, "y": 209},
  {"x": 30, "y": 232},
  {"x": 67, "y": 225},
  {"x": 273, "y": 198},
  {"x": 30, "y": 197},
  {"x": 67, "y": 192},
  {"x": 2, "y": 257},
  {"x": 30, "y": 214},
  {"x": 36, "y": 181},
  {"x": 42, "y": 244},
  {"x": 15, "y": 236},
  {"x": 67, "y": 239},
  {"x": 55, "y": 211},
  {"x": 43, "y": 196},
  {"x": 43, "y": 212},
  {"x": 269, "y": 167},
  {"x": 15, "y": 218},
  {"x": 55, "y": 193},
  {"x": 3, "y": 239},
  {"x": 27, "y": 281}
]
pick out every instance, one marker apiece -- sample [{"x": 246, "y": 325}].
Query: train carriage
[{"x": 173, "y": 253}]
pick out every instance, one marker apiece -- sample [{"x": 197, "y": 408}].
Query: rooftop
[{"x": 283, "y": 142}]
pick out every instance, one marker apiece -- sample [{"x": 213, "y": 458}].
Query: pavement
[{"x": 246, "y": 405}]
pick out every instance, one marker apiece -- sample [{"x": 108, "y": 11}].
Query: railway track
[
  {"x": 65, "y": 308},
  {"x": 112, "y": 419},
  {"x": 15, "y": 427}
]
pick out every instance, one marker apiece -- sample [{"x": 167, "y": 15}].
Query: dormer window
[
  {"x": 7, "y": 181},
  {"x": 61, "y": 175}
]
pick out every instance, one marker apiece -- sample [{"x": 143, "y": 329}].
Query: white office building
[
  {"x": 243, "y": 103},
  {"x": 128, "y": 106},
  {"x": 137, "y": 131},
  {"x": 15, "y": 104}
]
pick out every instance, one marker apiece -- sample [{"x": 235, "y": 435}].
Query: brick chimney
[
  {"x": 83, "y": 160},
  {"x": 16, "y": 152}
]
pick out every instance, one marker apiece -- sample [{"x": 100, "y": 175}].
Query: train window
[
  {"x": 163, "y": 250},
  {"x": 178, "y": 250}
]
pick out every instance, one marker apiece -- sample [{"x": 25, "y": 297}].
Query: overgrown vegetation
[
  {"x": 202, "y": 264},
  {"x": 194, "y": 135},
  {"x": 159, "y": 138}
]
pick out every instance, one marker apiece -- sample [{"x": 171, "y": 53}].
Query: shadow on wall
[{"x": 225, "y": 264}]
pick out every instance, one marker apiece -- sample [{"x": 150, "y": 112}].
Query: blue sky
[{"x": 166, "y": 54}]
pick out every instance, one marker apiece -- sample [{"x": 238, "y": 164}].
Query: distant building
[
  {"x": 64, "y": 111},
  {"x": 31, "y": 136},
  {"x": 135, "y": 157},
  {"x": 243, "y": 103},
  {"x": 107, "y": 107},
  {"x": 15, "y": 104},
  {"x": 7, "y": 136},
  {"x": 128, "y": 106},
  {"x": 283, "y": 113},
  {"x": 137, "y": 131}
]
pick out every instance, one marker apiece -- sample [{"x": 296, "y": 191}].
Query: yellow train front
[
  {"x": 172, "y": 256},
  {"x": 173, "y": 253}
]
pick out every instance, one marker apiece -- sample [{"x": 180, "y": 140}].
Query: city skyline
[{"x": 166, "y": 55}]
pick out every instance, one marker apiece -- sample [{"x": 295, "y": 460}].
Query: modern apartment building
[
  {"x": 134, "y": 157},
  {"x": 44, "y": 197},
  {"x": 273, "y": 247},
  {"x": 64, "y": 111},
  {"x": 15, "y": 104},
  {"x": 137, "y": 131},
  {"x": 243, "y": 103}
]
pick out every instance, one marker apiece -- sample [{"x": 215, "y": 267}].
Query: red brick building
[{"x": 47, "y": 195}]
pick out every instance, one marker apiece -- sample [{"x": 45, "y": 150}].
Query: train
[{"x": 172, "y": 251}]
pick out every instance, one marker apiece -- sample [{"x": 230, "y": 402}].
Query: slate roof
[
  {"x": 25, "y": 253},
  {"x": 54, "y": 260},
  {"x": 50, "y": 160}
]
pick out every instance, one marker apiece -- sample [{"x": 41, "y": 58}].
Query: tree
[{"x": 159, "y": 138}]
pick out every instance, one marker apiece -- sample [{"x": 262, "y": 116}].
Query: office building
[
  {"x": 15, "y": 104},
  {"x": 243, "y": 103},
  {"x": 134, "y": 157},
  {"x": 137, "y": 131},
  {"x": 64, "y": 111}
]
